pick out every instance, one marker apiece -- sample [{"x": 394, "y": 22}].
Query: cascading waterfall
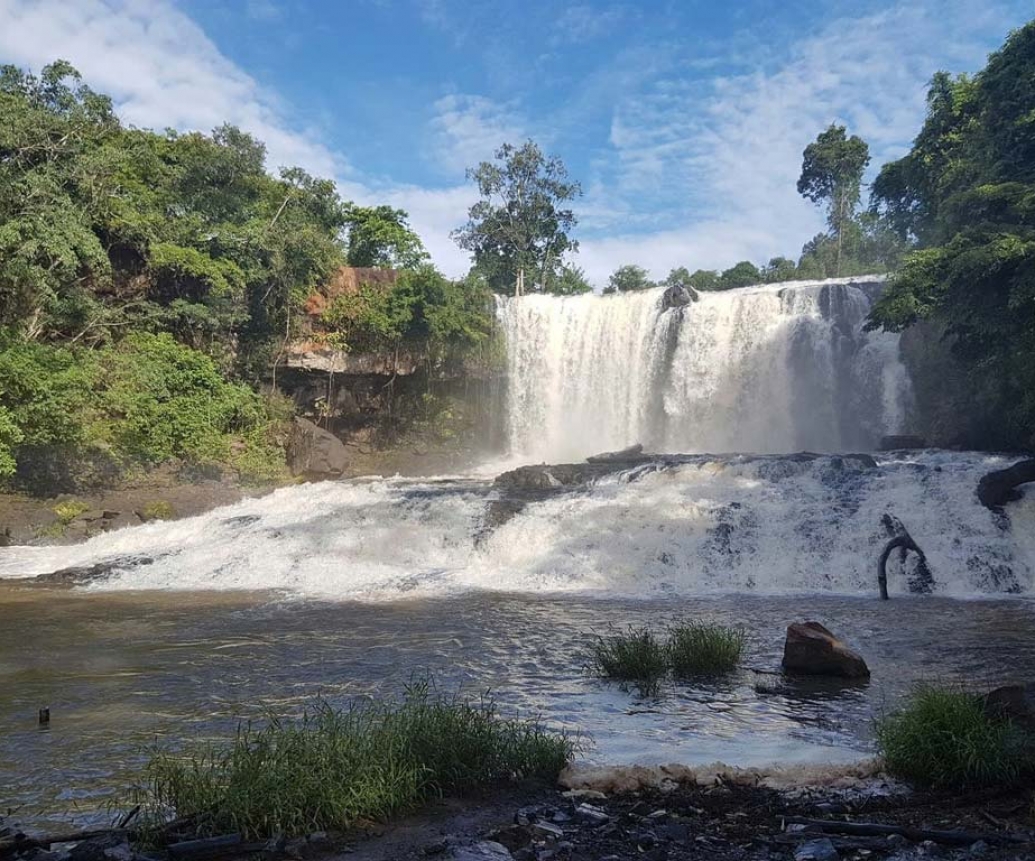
[{"x": 774, "y": 368}]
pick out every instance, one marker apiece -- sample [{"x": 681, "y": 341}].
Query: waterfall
[{"x": 772, "y": 368}]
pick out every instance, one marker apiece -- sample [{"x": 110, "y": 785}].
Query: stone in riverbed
[
  {"x": 811, "y": 649},
  {"x": 1012, "y": 702},
  {"x": 487, "y": 850},
  {"x": 315, "y": 453},
  {"x": 817, "y": 850}
]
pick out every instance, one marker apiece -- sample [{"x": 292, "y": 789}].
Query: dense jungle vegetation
[{"x": 149, "y": 281}]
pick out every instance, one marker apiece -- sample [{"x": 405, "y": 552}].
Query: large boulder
[
  {"x": 315, "y": 453},
  {"x": 1012, "y": 702},
  {"x": 678, "y": 296},
  {"x": 633, "y": 452},
  {"x": 999, "y": 487},
  {"x": 811, "y": 649}
]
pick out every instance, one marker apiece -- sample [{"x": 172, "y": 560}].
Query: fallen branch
[
  {"x": 917, "y": 835},
  {"x": 204, "y": 847},
  {"x": 23, "y": 841}
]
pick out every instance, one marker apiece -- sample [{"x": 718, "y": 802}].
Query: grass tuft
[
  {"x": 696, "y": 649},
  {"x": 635, "y": 655},
  {"x": 68, "y": 510},
  {"x": 942, "y": 738},
  {"x": 333, "y": 769}
]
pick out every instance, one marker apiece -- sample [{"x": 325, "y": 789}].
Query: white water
[
  {"x": 721, "y": 525},
  {"x": 774, "y": 368}
]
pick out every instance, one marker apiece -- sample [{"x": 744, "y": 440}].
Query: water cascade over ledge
[{"x": 773, "y": 368}]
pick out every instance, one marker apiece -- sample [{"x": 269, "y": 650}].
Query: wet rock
[
  {"x": 894, "y": 442},
  {"x": 624, "y": 455},
  {"x": 547, "y": 831},
  {"x": 999, "y": 487},
  {"x": 1012, "y": 702},
  {"x": 486, "y": 850},
  {"x": 591, "y": 814},
  {"x": 811, "y": 649},
  {"x": 315, "y": 453},
  {"x": 89, "y": 573},
  {"x": 817, "y": 850},
  {"x": 678, "y": 296}
]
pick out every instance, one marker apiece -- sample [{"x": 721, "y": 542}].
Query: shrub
[
  {"x": 332, "y": 769},
  {"x": 696, "y": 649},
  {"x": 158, "y": 510},
  {"x": 634, "y": 655},
  {"x": 69, "y": 509},
  {"x": 942, "y": 738}
]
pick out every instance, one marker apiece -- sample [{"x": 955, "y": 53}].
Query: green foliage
[
  {"x": 568, "y": 281},
  {"x": 423, "y": 310},
  {"x": 379, "y": 236},
  {"x": 628, "y": 278},
  {"x": 779, "y": 269},
  {"x": 699, "y": 649},
  {"x": 145, "y": 399},
  {"x": 966, "y": 193},
  {"x": 705, "y": 279},
  {"x": 743, "y": 274},
  {"x": 635, "y": 655},
  {"x": 831, "y": 173},
  {"x": 942, "y": 738},
  {"x": 679, "y": 275},
  {"x": 519, "y": 230},
  {"x": 159, "y": 509},
  {"x": 333, "y": 769},
  {"x": 10, "y": 436},
  {"x": 69, "y": 509}
]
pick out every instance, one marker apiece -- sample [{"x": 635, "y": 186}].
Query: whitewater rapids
[{"x": 717, "y": 525}]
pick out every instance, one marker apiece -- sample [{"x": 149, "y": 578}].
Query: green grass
[
  {"x": 635, "y": 655},
  {"x": 158, "y": 510},
  {"x": 696, "y": 649},
  {"x": 333, "y": 769},
  {"x": 942, "y": 738}
]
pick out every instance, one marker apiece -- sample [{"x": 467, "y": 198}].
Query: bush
[
  {"x": 635, "y": 655},
  {"x": 158, "y": 510},
  {"x": 942, "y": 738},
  {"x": 696, "y": 649},
  {"x": 332, "y": 768},
  {"x": 69, "y": 509}
]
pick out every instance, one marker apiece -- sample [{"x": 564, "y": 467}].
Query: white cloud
[
  {"x": 720, "y": 160},
  {"x": 468, "y": 129},
  {"x": 584, "y": 22}
]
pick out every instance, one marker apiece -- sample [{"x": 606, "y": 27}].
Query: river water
[{"x": 345, "y": 589}]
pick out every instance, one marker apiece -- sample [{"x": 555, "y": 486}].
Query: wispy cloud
[
  {"x": 718, "y": 158},
  {"x": 467, "y": 129}
]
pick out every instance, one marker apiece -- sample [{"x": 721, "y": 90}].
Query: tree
[
  {"x": 568, "y": 280},
  {"x": 627, "y": 279},
  {"x": 831, "y": 173},
  {"x": 519, "y": 230},
  {"x": 379, "y": 236},
  {"x": 679, "y": 275},
  {"x": 966, "y": 193},
  {"x": 779, "y": 269},
  {"x": 705, "y": 279},
  {"x": 742, "y": 274}
]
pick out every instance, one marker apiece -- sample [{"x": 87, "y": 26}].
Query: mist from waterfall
[{"x": 773, "y": 368}]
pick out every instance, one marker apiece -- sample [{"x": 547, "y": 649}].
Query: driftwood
[
  {"x": 999, "y": 487},
  {"x": 917, "y": 835},
  {"x": 44, "y": 841},
  {"x": 903, "y": 541},
  {"x": 204, "y": 847}
]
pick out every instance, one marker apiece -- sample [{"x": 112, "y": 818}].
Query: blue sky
[{"x": 684, "y": 121}]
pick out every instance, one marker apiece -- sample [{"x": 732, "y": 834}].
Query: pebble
[
  {"x": 979, "y": 848},
  {"x": 592, "y": 815},
  {"x": 816, "y": 850},
  {"x": 487, "y": 850}
]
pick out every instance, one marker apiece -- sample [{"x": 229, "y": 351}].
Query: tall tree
[
  {"x": 966, "y": 192},
  {"x": 519, "y": 231},
  {"x": 742, "y": 274},
  {"x": 831, "y": 174}
]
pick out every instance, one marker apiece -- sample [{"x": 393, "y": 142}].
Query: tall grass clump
[
  {"x": 942, "y": 738},
  {"x": 696, "y": 649},
  {"x": 334, "y": 768},
  {"x": 634, "y": 655}
]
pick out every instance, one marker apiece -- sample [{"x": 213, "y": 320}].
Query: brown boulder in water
[{"x": 811, "y": 649}]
